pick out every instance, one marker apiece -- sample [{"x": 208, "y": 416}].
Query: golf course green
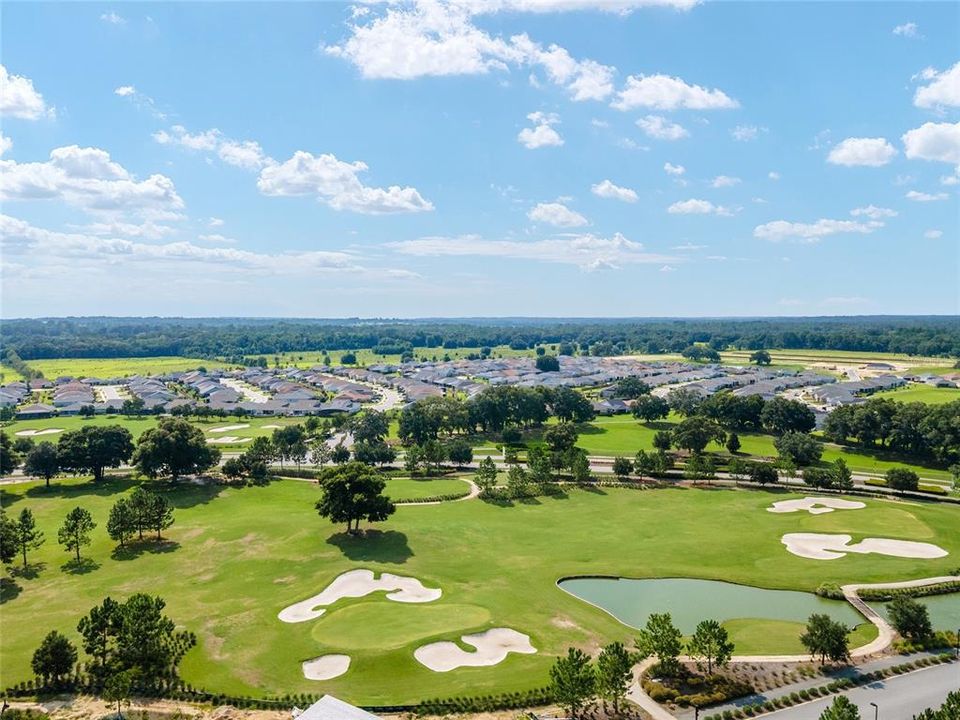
[{"x": 236, "y": 557}]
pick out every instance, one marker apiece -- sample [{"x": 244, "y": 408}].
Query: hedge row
[
  {"x": 487, "y": 703},
  {"x": 883, "y": 595},
  {"x": 432, "y": 498},
  {"x": 802, "y": 696},
  {"x": 922, "y": 487}
]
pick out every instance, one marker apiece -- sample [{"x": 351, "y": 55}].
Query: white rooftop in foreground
[{"x": 330, "y": 708}]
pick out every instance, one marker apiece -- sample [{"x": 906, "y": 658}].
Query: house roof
[{"x": 330, "y": 708}]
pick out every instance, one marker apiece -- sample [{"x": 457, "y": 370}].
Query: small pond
[
  {"x": 944, "y": 610},
  {"x": 690, "y": 601}
]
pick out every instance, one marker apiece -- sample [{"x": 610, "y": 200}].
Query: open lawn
[
  {"x": 366, "y": 356},
  {"x": 921, "y": 393},
  {"x": 118, "y": 367},
  {"x": 136, "y": 425},
  {"x": 400, "y": 489},
  {"x": 843, "y": 357},
  {"x": 237, "y": 556}
]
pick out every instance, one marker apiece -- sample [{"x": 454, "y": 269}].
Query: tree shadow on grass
[
  {"x": 185, "y": 494},
  {"x": 131, "y": 551},
  {"x": 84, "y": 566},
  {"x": 8, "y": 590},
  {"x": 30, "y": 572},
  {"x": 590, "y": 488},
  {"x": 111, "y": 485},
  {"x": 388, "y": 546}
]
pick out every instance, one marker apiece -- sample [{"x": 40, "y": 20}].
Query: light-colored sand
[
  {"x": 358, "y": 583},
  {"x": 227, "y": 428},
  {"x": 492, "y": 648},
  {"x": 227, "y": 440},
  {"x": 818, "y": 546},
  {"x": 326, "y": 667},
  {"x": 271, "y": 427},
  {"x": 35, "y": 433},
  {"x": 815, "y": 505}
]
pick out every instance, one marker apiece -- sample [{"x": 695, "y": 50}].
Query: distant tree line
[{"x": 236, "y": 338}]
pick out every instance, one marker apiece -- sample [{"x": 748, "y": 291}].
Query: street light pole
[
  {"x": 957, "y": 638},
  {"x": 696, "y": 713},
  {"x": 876, "y": 711}
]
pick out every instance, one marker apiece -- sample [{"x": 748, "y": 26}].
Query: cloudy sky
[{"x": 480, "y": 157}]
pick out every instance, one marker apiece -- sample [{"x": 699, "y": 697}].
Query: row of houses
[{"x": 854, "y": 391}]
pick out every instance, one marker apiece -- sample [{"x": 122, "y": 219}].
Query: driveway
[{"x": 898, "y": 698}]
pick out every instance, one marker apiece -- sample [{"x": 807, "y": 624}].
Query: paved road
[
  {"x": 898, "y": 698},
  {"x": 248, "y": 391}
]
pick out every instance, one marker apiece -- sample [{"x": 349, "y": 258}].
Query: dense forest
[{"x": 107, "y": 337}]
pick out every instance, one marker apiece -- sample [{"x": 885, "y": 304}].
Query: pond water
[
  {"x": 690, "y": 601},
  {"x": 944, "y": 610}
]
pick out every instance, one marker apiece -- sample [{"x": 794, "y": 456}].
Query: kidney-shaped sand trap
[
  {"x": 492, "y": 646},
  {"x": 35, "y": 433},
  {"x": 228, "y": 428},
  {"x": 830, "y": 547},
  {"x": 357, "y": 583},
  {"x": 326, "y": 667},
  {"x": 815, "y": 506}
]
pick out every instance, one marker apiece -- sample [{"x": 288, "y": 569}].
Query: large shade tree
[
  {"x": 353, "y": 492},
  {"x": 174, "y": 448},
  {"x": 93, "y": 448}
]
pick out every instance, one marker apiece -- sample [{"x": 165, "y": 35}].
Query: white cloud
[
  {"x": 606, "y": 189},
  {"x": 934, "y": 141},
  {"x": 215, "y": 222},
  {"x": 694, "y": 206},
  {"x": 588, "y": 252},
  {"x": 19, "y": 99},
  {"x": 663, "y": 92},
  {"x": 658, "y": 127},
  {"x": 926, "y": 197},
  {"x": 142, "y": 101},
  {"x": 337, "y": 184},
  {"x": 125, "y": 90},
  {"x": 5, "y": 143},
  {"x": 246, "y": 154},
  {"x": 172, "y": 260},
  {"x": 668, "y": 269},
  {"x": 429, "y": 38},
  {"x": 216, "y": 239},
  {"x": 909, "y": 29},
  {"x": 147, "y": 230},
  {"x": 178, "y": 135},
  {"x": 722, "y": 181},
  {"x": 89, "y": 179},
  {"x": 873, "y": 212},
  {"x": 869, "y": 152},
  {"x": 944, "y": 89},
  {"x": 689, "y": 247},
  {"x": 542, "y": 133},
  {"x": 675, "y": 170},
  {"x": 773, "y": 175},
  {"x": 746, "y": 133},
  {"x": 545, "y": 6},
  {"x": 812, "y": 232},
  {"x": 113, "y": 18},
  {"x": 933, "y": 234},
  {"x": 556, "y": 214}
]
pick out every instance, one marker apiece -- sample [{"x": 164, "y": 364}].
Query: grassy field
[
  {"x": 237, "y": 556},
  {"x": 921, "y": 393},
  {"x": 843, "y": 357},
  {"x": 367, "y": 357},
  {"x": 400, "y": 489},
  {"x": 118, "y": 367},
  {"x": 9, "y": 375},
  {"x": 255, "y": 427}
]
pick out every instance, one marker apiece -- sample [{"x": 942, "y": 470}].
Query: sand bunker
[
  {"x": 326, "y": 667},
  {"x": 228, "y": 428},
  {"x": 492, "y": 646},
  {"x": 34, "y": 433},
  {"x": 830, "y": 547},
  {"x": 271, "y": 427},
  {"x": 815, "y": 506},
  {"x": 358, "y": 583},
  {"x": 227, "y": 440}
]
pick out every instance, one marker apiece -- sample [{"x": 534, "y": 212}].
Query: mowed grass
[
  {"x": 400, "y": 489},
  {"x": 366, "y": 356},
  {"x": 237, "y": 556},
  {"x": 844, "y": 357},
  {"x": 119, "y": 367},
  {"x": 921, "y": 393},
  {"x": 255, "y": 427}
]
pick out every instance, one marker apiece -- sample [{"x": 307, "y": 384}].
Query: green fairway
[
  {"x": 211, "y": 427},
  {"x": 237, "y": 556},
  {"x": 400, "y": 489},
  {"x": 921, "y": 393},
  {"x": 118, "y": 367}
]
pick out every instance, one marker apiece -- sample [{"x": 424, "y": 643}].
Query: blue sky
[{"x": 507, "y": 157}]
